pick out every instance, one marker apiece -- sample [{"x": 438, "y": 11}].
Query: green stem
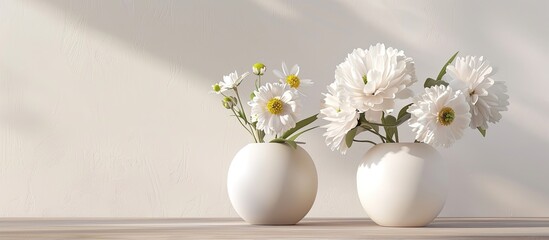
[
  {"x": 244, "y": 113},
  {"x": 258, "y": 140},
  {"x": 383, "y": 139},
  {"x": 396, "y": 134},
  {"x": 259, "y": 81},
  {"x": 261, "y": 136},
  {"x": 385, "y": 125},
  {"x": 241, "y": 123},
  {"x": 254, "y": 134},
  {"x": 241, "y": 107},
  {"x": 387, "y": 138},
  {"x": 366, "y": 141}
]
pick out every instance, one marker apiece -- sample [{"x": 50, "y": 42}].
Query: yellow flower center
[
  {"x": 446, "y": 116},
  {"x": 275, "y": 106},
  {"x": 293, "y": 80}
]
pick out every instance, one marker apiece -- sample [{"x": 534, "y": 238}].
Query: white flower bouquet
[
  {"x": 274, "y": 106},
  {"x": 368, "y": 83}
]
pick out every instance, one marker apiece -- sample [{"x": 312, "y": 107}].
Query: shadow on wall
[
  {"x": 186, "y": 33},
  {"x": 509, "y": 175},
  {"x": 199, "y": 45}
]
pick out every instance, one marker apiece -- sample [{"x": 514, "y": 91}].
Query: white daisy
[
  {"x": 231, "y": 81},
  {"x": 439, "y": 116},
  {"x": 292, "y": 78},
  {"x": 487, "y": 98},
  {"x": 216, "y": 88},
  {"x": 274, "y": 108},
  {"x": 341, "y": 116},
  {"x": 373, "y": 78}
]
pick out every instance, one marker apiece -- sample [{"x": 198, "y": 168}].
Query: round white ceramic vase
[
  {"x": 272, "y": 183},
  {"x": 402, "y": 184}
]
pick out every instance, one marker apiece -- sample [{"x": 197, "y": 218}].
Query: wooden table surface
[{"x": 223, "y": 228}]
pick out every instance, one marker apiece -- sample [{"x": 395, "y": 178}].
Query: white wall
[{"x": 105, "y": 111}]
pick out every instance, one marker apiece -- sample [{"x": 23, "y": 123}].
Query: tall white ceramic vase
[
  {"x": 272, "y": 183},
  {"x": 402, "y": 184}
]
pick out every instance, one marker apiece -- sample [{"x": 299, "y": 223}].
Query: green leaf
[
  {"x": 482, "y": 131},
  {"x": 403, "y": 119},
  {"x": 294, "y": 137},
  {"x": 299, "y": 125},
  {"x": 429, "y": 82},
  {"x": 403, "y": 111},
  {"x": 389, "y": 131},
  {"x": 277, "y": 140},
  {"x": 365, "y": 124},
  {"x": 376, "y": 128},
  {"x": 368, "y": 125},
  {"x": 350, "y": 137},
  {"x": 443, "y": 70},
  {"x": 260, "y": 134},
  {"x": 362, "y": 118},
  {"x": 291, "y": 143}
]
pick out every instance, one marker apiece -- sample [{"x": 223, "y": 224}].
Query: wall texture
[{"x": 105, "y": 111}]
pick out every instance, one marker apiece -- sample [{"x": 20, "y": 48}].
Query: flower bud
[
  {"x": 259, "y": 68},
  {"x": 226, "y": 104},
  {"x": 234, "y": 100},
  {"x": 216, "y": 88},
  {"x": 229, "y": 102}
]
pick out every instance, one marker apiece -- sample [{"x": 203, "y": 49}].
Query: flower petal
[
  {"x": 278, "y": 74},
  {"x": 295, "y": 70},
  {"x": 285, "y": 69}
]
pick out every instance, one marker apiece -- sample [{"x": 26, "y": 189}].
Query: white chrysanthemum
[
  {"x": 439, "y": 116},
  {"x": 373, "y": 78},
  {"x": 292, "y": 78},
  {"x": 487, "y": 98},
  {"x": 341, "y": 116},
  {"x": 231, "y": 81},
  {"x": 274, "y": 107}
]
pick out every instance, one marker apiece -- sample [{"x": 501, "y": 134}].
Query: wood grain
[{"x": 231, "y": 228}]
